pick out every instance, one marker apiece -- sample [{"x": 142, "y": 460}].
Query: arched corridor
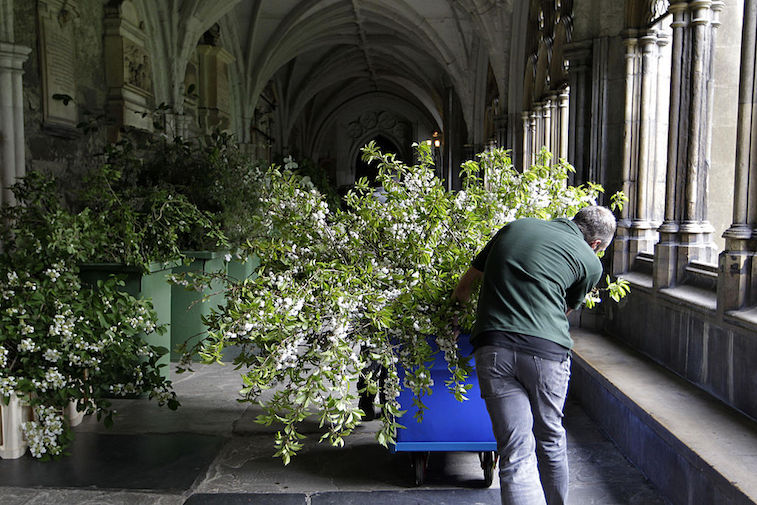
[{"x": 657, "y": 98}]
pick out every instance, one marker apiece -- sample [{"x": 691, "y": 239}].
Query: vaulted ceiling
[{"x": 315, "y": 56}]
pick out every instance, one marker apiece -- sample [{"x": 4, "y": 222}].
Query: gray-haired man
[{"x": 533, "y": 274}]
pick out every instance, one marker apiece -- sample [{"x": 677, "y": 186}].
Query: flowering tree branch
[{"x": 372, "y": 283}]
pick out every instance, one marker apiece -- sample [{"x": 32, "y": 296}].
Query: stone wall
[{"x": 56, "y": 152}]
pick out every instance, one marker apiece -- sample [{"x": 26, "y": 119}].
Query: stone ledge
[
  {"x": 692, "y": 296},
  {"x": 639, "y": 280},
  {"x": 746, "y": 318},
  {"x": 691, "y": 446}
]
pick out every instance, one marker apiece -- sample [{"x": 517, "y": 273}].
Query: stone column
[
  {"x": 556, "y": 125},
  {"x": 12, "y": 153},
  {"x": 642, "y": 235},
  {"x": 526, "y": 116},
  {"x": 695, "y": 232},
  {"x": 716, "y": 8},
  {"x": 538, "y": 121},
  {"x": 554, "y": 134},
  {"x": 629, "y": 133},
  {"x": 699, "y": 22},
  {"x": 563, "y": 100},
  {"x": 533, "y": 122},
  {"x": 736, "y": 279},
  {"x": 547, "y": 111},
  {"x": 666, "y": 248},
  {"x": 647, "y": 108},
  {"x": 622, "y": 258},
  {"x": 660, "y": 131}
]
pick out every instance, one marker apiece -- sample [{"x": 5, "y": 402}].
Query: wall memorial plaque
[{"x": 57, "y": 50}]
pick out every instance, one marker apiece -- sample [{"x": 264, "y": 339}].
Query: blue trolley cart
[{"x": 447, "y": 425}]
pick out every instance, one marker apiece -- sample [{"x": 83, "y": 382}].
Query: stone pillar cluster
[
  {"x": 685, "y": 235},
  {"x": 12, "y": 58},
  {"x": 737, "y": 269},
  {"x": 546, "y": 126},
  {"x": 644, "y": 126}
]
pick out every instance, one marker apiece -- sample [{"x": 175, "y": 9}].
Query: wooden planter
[
  {"x": 188, "y": 307},
  {"x": 152, "y": 285},
  {"x": 240, "y": 269}
]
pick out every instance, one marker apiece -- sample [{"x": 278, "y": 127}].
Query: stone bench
[{"x": 692, "y": 447}]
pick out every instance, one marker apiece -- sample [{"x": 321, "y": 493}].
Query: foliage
[
  {"x": 308, "y": 170},
  {"x": 62, "y": 341},
  {"x": 139, "y": 222},
  {"x": 370, "y": 283},
  {"x": 213, "y": 174}
]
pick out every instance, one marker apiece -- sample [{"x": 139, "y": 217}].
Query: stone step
[
  {"x": 436, "y": 497},
  {"x": 692, "y": 447}
]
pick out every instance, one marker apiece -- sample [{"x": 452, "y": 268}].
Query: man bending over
[{"x": 533, "y": 274}]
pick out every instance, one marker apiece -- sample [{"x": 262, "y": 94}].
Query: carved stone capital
[
  {"x": 12, "y": 57},
  {"x": 700, "y": 12}
]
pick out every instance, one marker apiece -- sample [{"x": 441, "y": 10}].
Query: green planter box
[
  {"x": 153, "y": 286},
  {"x": 240, "y": 269},
  {"x": 188, "y": 307},
  {"x": 243, "y": 268}
]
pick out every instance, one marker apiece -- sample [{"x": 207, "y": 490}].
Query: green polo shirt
[{"x": 534, "y": 271}]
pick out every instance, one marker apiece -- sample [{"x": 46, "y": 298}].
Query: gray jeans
[{"x": 525, "y": 395}]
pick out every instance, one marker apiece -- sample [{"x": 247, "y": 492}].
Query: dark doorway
[{"x": 363, "y": 169}]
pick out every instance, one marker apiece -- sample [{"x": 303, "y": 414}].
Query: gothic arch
[
  {"x": 557, "y": 71},
  {"x": 405, "y": 151},
  {"x": 529, "y": 77}
]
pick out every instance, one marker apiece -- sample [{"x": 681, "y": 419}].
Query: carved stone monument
[
  {"x": 57, "y": 19},
  {"x": 214, "y": 103},
  {"x": 128, "y": 72}
]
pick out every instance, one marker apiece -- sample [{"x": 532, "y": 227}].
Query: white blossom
[
  {"x": 42, "y": 434},
  {"x": 26, "y": 345},
  {"x": 54, "y": 378},
  {"x": 51, "y": 355},
  {"x": 7, "y": 386},
  {"x": 53, "y": 274}
]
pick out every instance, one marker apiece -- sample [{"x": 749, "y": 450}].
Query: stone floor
[{"x": 210, "y": 451}]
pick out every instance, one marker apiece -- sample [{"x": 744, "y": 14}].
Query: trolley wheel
[
  {"x": 488, "y": 464},
  {"x": 420, "y": 463}
]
